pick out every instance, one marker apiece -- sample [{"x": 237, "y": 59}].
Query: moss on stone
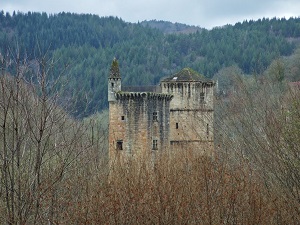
[
  {"x": 186, "y": 74},
  {"x": 114, "y": 69}
]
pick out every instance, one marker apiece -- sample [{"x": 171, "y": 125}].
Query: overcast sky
[{"x": 203, "y": 13}]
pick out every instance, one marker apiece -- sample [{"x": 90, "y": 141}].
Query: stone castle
[{"x": 176, "y": 114}]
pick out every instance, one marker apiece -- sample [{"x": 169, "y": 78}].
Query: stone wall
[
  {"x": 191, "y": 114},
  {"x": 136, "y": 120},
  {"x": 113, "y": 86},
  {"x": 187, "y": 95}
]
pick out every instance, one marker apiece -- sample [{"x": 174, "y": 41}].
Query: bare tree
[
  {"x": 260, "y": 123},
  {"x": 39, "y": 141}
]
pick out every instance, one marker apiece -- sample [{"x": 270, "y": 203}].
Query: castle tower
[
  {"x": 114, "y": 81},
  {"x": 138, "y": 121},
  {"x": 191, "y": 110}
]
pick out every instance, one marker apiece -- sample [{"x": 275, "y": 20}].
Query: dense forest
[
  {"x": 171, "y": 28},
  {"x": 88, "y": 43}
]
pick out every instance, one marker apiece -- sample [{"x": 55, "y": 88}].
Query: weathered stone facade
[
  {"x": 139, "y": 122},
  {"x": 191, "y": 110},
  {"x": 180, "y": 115}
]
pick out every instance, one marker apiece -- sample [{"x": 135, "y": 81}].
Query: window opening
[
  {"x": 154, "y": 145},
  {"x": 202, "y": 95},
  {"x": 112, "y": 84},
  {"x": 119, "y": 145},
  {"x": 207, "y": 129},
  {"x": 154, "y": 116},
  {"x": 122, "y": 117},
  {"x": 176, "y": 125}
]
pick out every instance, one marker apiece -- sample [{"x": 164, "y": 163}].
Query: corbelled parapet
[{"x": 147, "y": 95}]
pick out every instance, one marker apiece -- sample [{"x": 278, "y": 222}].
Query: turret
[{"x": 114, "y": 81}]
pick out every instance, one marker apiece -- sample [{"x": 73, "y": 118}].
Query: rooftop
[
  {"x": 114, "y": 69},
  {"x": 186, "y": 74}
]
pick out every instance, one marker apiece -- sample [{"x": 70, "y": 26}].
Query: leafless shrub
[
  {"x": 39, "y": 141},
  {"x": 184, "y": 189},
  {"x": 259, "y": 122}
]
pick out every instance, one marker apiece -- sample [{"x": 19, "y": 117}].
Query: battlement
[
  {"x": 185, "y": 83},
  {"x": 145, "y": 95},
  {"x": 148, "y": 88}
]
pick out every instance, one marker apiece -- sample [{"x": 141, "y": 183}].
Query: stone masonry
[{"x": 179, "y": 116}]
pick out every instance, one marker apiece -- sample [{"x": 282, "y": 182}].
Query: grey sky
[{"x": 203, "y": 13}]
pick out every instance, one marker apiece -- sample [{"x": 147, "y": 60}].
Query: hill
[
  {"x": 88, "y": 43},
  {"x": 171, "y": 28}
]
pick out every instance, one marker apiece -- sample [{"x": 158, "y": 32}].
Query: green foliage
[
  {"x": 276, "y": 71},
  {"x": 114, "y": 69},
  {"x": 88, "y": 43},
  {"x": 169, "y": 27}
]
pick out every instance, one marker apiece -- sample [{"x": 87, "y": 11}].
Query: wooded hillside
[{"x": 88, "y": 43}]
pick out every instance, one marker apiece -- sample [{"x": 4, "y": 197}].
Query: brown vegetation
[
  {"x": 53, "y": 172},
  {"x": 184, "y": 189}
]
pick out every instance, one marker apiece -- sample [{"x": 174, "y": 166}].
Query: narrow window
[
  {"x": 154, "y": 145},
  {"x": 119, "y": 145},
  {"x": 122, "y": 117},
  {"x": 207, "y": 129},
  {"x": 176, "y": 125},
  {"x": 202, "y": 95},
  {"x": 154, "y": 116},
  {"x": 112, "y": 84}
]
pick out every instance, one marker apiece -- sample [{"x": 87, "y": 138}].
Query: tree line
[{"x": 88, "y": 43}]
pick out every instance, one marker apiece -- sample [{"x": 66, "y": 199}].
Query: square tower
[
  {"x": 191, "y": 110},
  {"x": 138, "y": 121}
]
